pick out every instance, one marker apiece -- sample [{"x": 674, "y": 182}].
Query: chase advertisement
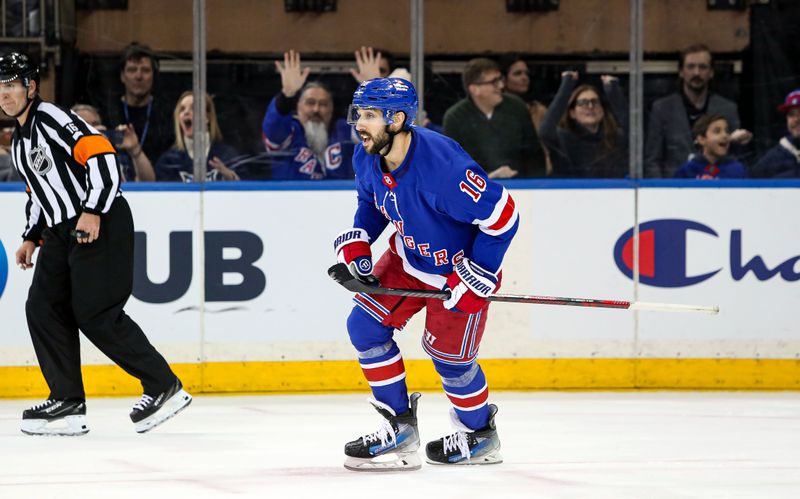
[{"x": 241, "y": 275}]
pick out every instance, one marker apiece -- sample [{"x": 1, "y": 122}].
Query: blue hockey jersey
[
  {"x": 285, "y": 140},
  {"x": 442, "y": 205}
]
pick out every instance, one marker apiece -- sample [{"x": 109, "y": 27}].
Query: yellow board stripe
[{"x": 503, "y": 374}]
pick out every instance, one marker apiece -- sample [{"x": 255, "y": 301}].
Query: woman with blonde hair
[{"x": 177, "y": 164}]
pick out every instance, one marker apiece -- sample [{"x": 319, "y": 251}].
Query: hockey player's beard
[
  {"x": 379, "y": 142},
  {"x": 316, "y": 137}
]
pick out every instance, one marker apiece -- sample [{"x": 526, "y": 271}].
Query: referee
[{"x": 84, "y": 272}]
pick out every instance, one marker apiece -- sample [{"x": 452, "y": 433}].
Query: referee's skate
[
  {"x": 55, "y": 417},
  {"x": 151, "y": 411}
]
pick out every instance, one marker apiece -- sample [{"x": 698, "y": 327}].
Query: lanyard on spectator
[{"x": 146, "y": 122}]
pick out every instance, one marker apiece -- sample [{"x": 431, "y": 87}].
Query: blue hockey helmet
[{"x": 390, "y": 95}]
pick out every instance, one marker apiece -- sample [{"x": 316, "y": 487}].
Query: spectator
[
  {"x": 299, "y": 131},
  {"x": 714, "y": 139},
  {"x": 374, "y": 63},
  {"x": 147, "y": 113},
  {"x": 494, "y": 127},
  {"x": 783, "y": 160},
  {"x": 586, "y": 140},
  {"x": 518, "y": 82},
  {"x": 669, "y": 136},
  {"x": 137, "y": 165},
  {"x": 177, "y": 164},
  {"x": 7, "y": 171}
]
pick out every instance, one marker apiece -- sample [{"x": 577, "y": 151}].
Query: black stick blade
[{"x": 341, "y": 274}]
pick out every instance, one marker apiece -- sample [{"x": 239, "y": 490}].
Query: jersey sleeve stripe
[
  {"x": 508, "y": 211},
  {"x": 497, "y": 211},
  {"x": 503, "y": 217},
  {"x": 53, "y": 135},
  {"x": 103, "y": 183},
  {"x": 89, "y": 146},
  {"x": 272, "y": 146},
  {"x": 58, "y": 115},
  {"x": 33, "y": 212}
]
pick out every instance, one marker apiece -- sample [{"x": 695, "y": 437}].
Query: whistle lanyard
[{"x": 146, "y": 122}]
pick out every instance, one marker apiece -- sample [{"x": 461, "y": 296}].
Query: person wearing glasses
[
  {"x": 669, "y": 141},
  {"x": 494, "y": 127},
  {"x": 585, "y": 135}
]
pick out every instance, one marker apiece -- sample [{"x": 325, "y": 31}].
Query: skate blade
[
  {"x": 173, "y": 406},
  {"x": 385, "y": 463},
  {"x": 69, "y": 426},
  {"x": 493, "y": 458}
]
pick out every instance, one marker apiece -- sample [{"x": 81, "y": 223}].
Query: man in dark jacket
[
  {"x": 669, "y": 133},
  {"x": 149, "y": 115}
]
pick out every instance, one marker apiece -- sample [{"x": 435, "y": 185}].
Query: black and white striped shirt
[{"x": 68, "y": 166}]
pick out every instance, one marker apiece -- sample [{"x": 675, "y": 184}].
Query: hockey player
[
  {"x": 452, "y": 229},
  {"x": 84, "y": 272},
  {"x": 299, "y": 132}
]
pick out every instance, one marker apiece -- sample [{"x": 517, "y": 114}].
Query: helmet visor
[{"x": 366, "y": 115}]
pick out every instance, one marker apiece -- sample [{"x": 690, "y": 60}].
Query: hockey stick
[{"x": 341, "y": 274}]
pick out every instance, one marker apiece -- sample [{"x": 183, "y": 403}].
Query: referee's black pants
[{"x": 85, "y": 286}]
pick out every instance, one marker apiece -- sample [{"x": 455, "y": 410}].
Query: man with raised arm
[{"x": 298, "y": 128}]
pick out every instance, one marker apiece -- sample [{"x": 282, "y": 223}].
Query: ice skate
[
  {"x": 467, "y": 446},
  {"x": 151, "y": 411},
  {"x": 393, "y": 447},
  {"x": 55, "y": 417}
]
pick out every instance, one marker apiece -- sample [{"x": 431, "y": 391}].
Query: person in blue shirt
[
  {"x": 783, "y": 159},
  {"x": 299, "y": 132},
  {"x": 712, "y": 135},
  {"x": 452, "y": 227}
]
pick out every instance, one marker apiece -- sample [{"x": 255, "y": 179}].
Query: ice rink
[{"x": 555, "y": 445}]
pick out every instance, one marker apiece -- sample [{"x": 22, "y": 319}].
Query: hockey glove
[
  {"x": 469, "y": 285},
  {"x": 352, "y": 248}
]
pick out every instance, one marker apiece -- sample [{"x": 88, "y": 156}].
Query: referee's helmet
[{"x": 17, "y": 66}]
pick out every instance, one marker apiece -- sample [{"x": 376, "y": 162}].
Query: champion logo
[
  {"x": 40, "y": 162},
  {"x": 663, "y": 256},
  {"x": 3, "y": 269},
  {"x": 662, "y": 253}
]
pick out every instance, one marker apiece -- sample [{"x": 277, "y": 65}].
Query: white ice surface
[{"x": 555, "y": 445}]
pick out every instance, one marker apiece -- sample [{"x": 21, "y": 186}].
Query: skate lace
[
  {"x": 456, "y": 441},
  {"x": 385, "y": 434},
  {"x": 143, "y": 402},
  {"x": 42, "y": 405}
]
